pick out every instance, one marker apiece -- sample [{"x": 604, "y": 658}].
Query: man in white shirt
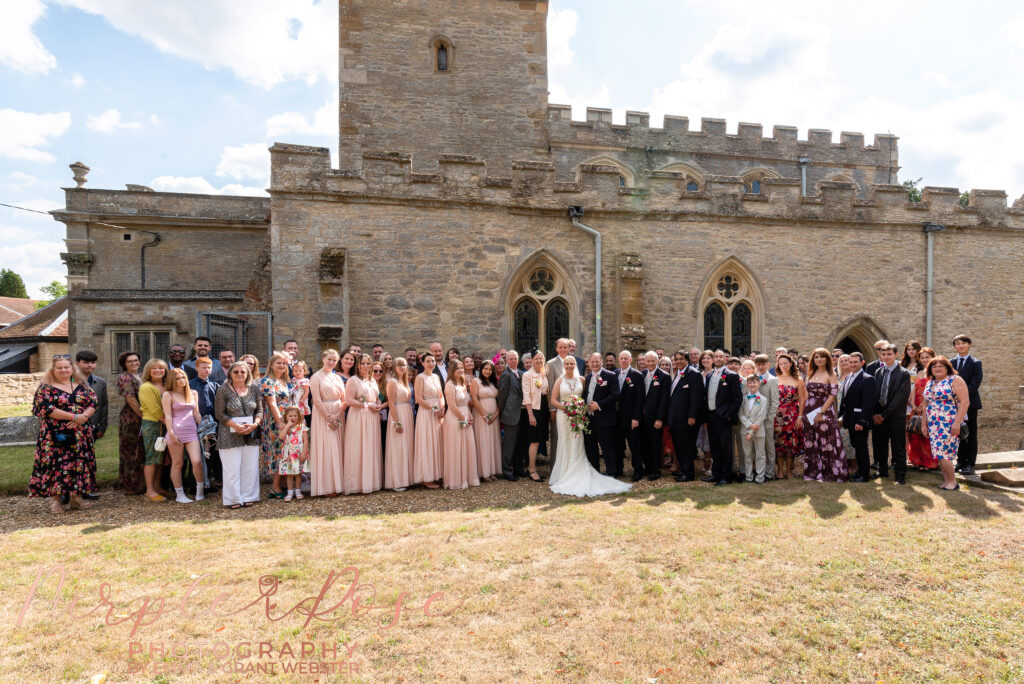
[{"x": 769, "y": 390}]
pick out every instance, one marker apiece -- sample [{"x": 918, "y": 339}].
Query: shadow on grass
[{"x": 827, "y": 500}]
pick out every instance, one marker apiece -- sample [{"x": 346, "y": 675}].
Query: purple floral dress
[
  {"x": 59, "y": 469},
  {"x": 824, "y": 455}
]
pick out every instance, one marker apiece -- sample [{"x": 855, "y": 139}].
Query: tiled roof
[
  {"x": 48, "y": 322},
  {"x": 13, "y": 308}
]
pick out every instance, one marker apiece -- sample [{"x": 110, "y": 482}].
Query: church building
[{"x": 466, "y": 208}]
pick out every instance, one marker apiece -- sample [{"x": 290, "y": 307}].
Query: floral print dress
[
  {"x": 942, "y": 406},
  {"x": 59, "y": 469},
  {"x": 132, "y": 453},
  {"x": 790, "y": 441},
  {"x": 270, "y": 435},
  {"x": 824, "y": 455}
]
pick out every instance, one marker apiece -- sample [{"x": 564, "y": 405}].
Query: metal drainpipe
[
  {"x": 803, "y": 175},
  {"x": 575, "y": 212},
  {"x": 929, "y": 230},
  {"x": 142, "y": 266}
]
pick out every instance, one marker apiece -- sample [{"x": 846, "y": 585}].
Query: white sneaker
[
  {"x": 183, "y": 499},
  {"x": 288, "y": 497},
  {"x": 200, "y": 495},
  {"x": 298, "y": 494},
  {"x": 398, "y": 489}
]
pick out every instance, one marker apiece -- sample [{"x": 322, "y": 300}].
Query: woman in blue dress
[{"x": 948, "y": 400}]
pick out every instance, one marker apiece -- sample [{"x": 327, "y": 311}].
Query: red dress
[
  {"x": 919, "y": 448},
  {"x": 790, "y": 440}
]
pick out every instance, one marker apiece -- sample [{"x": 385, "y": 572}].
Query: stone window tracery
[
  {"x": 731, "y": 310},
  {"x": 541, "y": 309}
]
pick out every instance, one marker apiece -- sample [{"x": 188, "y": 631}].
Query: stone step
[
  {"x": 1008, "y": 477},
  {"x": 1001, "y": 459}
]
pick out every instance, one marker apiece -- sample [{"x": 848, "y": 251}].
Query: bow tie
[{"x": 752, "y": 396}]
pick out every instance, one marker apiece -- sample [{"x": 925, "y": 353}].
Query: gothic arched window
[
  {"x": 542, "y": 306},
  {"x": 731, "y": 309},
  {"x": 443, "y": 54}
]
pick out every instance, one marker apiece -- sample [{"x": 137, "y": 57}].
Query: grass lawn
[
  {"x": 15, "y": 410},
  {"x": 784, "y": 582},
  {"x": 16, "y": 464}
]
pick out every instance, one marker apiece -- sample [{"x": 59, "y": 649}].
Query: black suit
[
  {"x": 655, "y": 408},
  {"x": 892, "y": 429},
  {"x": 603, "y": 422},
  {"x": 684, "y": 403},
  {"x": 515, "y": 445},
  {"x": 720, "y": 421},
  {"x": 856, "y": 409},
  {"x": 631, "y": 399},
  {"x": 970, "y": 371},
  {"x": 872, "y": 368}
]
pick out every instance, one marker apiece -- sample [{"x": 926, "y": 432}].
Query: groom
[{"x": 601, "y": 393}]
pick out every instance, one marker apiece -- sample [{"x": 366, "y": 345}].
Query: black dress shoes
[
  {"x": 859, "y": 479},
  {"x": 709, "y": 478},
  {"x": 637, "y": 477},
  {"x": 683, "y": 478},
  {"x": 511, "y": 478},
  {"x": 967, "y": 470},
  {"x": 654, "y": 476},
  {"x": 721, "y": 483},
  {"x": 901, "y": 480}
]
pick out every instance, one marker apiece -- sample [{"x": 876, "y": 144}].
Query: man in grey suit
[
  {"x": 553, "y": 370},
  {"x": 85, "y": 365},
  {"x": 514, "y": 444},
  {"x": 770, "y": 389}
]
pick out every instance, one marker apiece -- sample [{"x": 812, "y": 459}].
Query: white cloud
[
  {"x": 266, "y": 42},
  {"x": 110, "y": 122},
  {"x": 78, "y": 80},
  {"x": 561, "y": 29},
  {"x": 579, "y": 100},
  {"x": 245, "y": 161},
  {"x": 37, "y": 262},
  {"x": 18, "y": 181},
  {"x": 20, "y": 48},
  {"x": 24, "y": 133},
  {"x": 198, "y": 184},
  {"x": 154, "y": 119},
  {"x": 324, "y": 122}
]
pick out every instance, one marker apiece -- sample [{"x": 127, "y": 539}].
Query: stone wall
[{"x": 18, "y": 388}]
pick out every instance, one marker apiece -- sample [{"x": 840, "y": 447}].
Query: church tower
[{"x": 432, "y": 77}]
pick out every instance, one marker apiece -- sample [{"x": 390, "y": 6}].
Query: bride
[{"x": 572, "y": 473}]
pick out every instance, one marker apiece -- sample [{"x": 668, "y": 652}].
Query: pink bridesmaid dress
[
  {"x": 325, "y": 444},
  {"x": 488, "y": 437},
  {"x": 427, "y": 451},
  {"x": 398, "y": 455},
  {"x": 362, "y": 440},
  {"x": 459, "y": 446}
]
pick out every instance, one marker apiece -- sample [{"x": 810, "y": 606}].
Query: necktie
[
  {"x": 647, "y": 380},
  {"x": 883, "y": 397},
  {"x": 959, "y": 363},
  {"x": 591, "y": 388}
]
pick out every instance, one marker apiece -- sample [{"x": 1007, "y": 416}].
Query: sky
[{"x": 186, "y": 96}]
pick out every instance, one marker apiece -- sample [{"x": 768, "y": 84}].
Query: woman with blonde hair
[
  {"x": 254, "y": 366},
  {"x": 155, "y": 381},
  {"x": 535, "y": 401},
  {"x": 63, "y": 406},
  {"x": 458, "y": 442},
  {"x": 276, "y": 389},
  {"x": 327, "y": 434},
  {"x": 181, "y": 417},
  {"x": 400, "y": 444}
]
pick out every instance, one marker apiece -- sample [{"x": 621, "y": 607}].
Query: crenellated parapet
[
  {"x": 749, "y": 141},
  {"x": 463, "y": 179}
]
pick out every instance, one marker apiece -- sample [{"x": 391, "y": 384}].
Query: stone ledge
[{"x": 159, "y": 295}]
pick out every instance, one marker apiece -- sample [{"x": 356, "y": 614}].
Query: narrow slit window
[{"x": 442, "y": 57}]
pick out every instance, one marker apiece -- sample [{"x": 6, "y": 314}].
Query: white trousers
[{"x": 241, "y": 475}]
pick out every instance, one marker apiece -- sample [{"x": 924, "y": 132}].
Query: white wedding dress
[{"x": 572, "y": 473}]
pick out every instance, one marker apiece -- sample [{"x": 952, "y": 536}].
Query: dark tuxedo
[
  {"x": 655, "y": 408},
  {"x": 686, "y": 393},
  {"x": 970, "y": 370},
  {"x": 631, "y": 399},
  {"x": 872, "y": 367},
  {"x": 603, "y": 423},
  {"x": 512, "y": 415},
  {"x": 892, "y": 430},
  {"x": 728, "y": 399},
  {"x": 857, "y": 408}
]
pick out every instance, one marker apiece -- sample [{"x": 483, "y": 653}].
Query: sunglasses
[
  {"x": 62, "y": 356},
  {"x": 377, "y": 372}
]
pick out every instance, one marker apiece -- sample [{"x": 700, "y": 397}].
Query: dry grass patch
[{"x": 789, "y": 581}]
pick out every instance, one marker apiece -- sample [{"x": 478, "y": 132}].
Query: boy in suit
[
  {"x": 969, "y": 369},
  {"x": 752, "y": 414}
]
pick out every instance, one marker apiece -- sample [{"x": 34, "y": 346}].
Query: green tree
[
  {"x": 11, "y": 285},
  {"x": 965, "y": 198},
  {"x": 55, "y": 290},
  {"x": 913, "y": 191}
]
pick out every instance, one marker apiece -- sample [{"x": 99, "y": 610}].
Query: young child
[
  {"x": 300, "y": 393},
  {"x": 752, "y": 412},
  {"x": 294, "y": 452}
]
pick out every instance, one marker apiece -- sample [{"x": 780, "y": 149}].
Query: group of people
[{"x": 365, "y": 422}]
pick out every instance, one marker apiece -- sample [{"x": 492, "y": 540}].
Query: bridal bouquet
[{"x": 576, "y": 412}]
